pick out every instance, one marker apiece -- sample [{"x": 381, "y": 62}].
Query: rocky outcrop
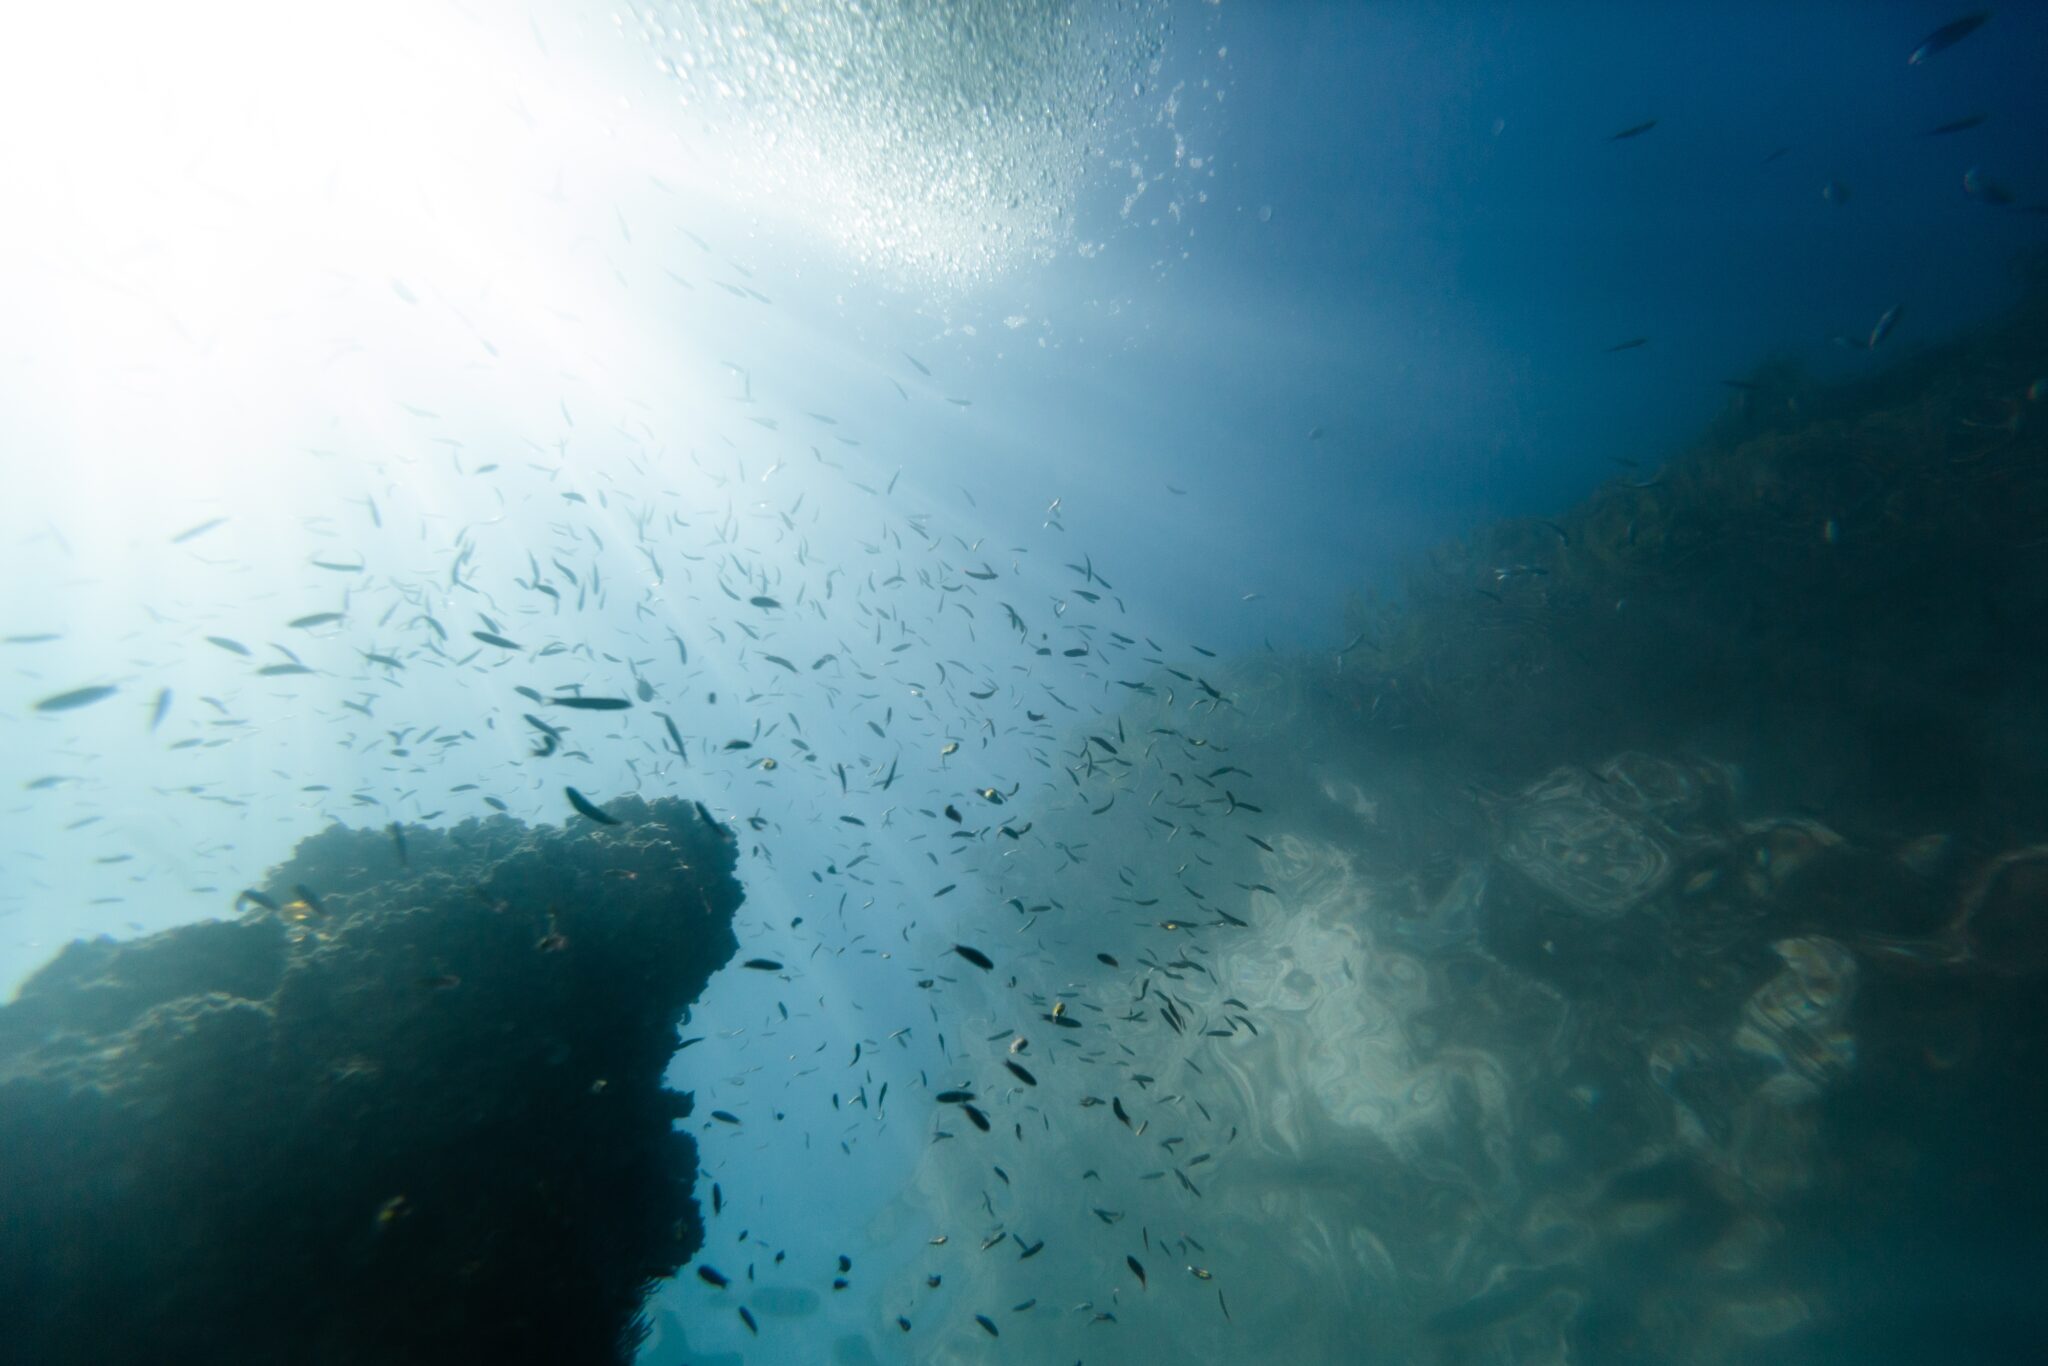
[{"x": 409, "y": 1108}]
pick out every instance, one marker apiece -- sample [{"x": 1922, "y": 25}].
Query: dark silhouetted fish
[
  {"x": 584, "y": 807},
  {"x": 1962, "y": 125},
  {"x": 1947, "y": 36},
  {"x": 85, "y": 697},
  {"x": 194, "y": 532}
]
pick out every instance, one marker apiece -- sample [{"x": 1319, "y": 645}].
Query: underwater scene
[{"x": 1111, "y": 681}]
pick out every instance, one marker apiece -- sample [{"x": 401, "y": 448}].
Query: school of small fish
[{"x": 970, "y": 684}]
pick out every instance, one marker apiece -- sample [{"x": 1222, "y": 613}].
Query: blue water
[{"x": 1225, "y": 317}]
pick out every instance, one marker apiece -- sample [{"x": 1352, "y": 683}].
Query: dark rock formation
[
  {"x": 1831, "y": 589},
  {"x": 414, "y": 1114}
]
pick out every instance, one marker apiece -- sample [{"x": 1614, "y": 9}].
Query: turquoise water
[{"x": 1445, "y": 592}]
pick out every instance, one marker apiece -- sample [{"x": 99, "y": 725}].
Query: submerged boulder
[{"x": 408, "y": 1109}]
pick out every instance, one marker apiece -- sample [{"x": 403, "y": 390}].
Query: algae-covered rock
[{"x": 414, "y": 1113}]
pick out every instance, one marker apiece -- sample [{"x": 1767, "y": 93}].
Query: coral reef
[{"x": 408, "y": 1109}]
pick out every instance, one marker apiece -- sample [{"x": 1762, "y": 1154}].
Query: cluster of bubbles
[{"x": 940, "y": 142}]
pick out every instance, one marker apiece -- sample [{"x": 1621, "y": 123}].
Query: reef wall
[
  {"x": 1833, "y": 587},
  {"x": 408, "y": 1109},
  {"x": 1626, "y": 946}
]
